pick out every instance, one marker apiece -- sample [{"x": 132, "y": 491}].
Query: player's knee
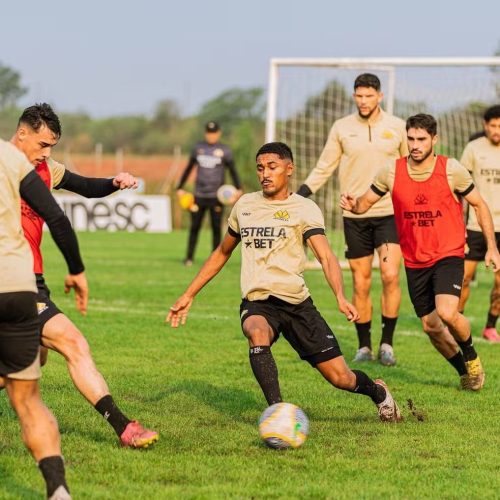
[
  {"x": 448, "y": 314},
  {"x": 258, "y": 336},
  {"x": 390, "y": 277},
  {"x": 432, "y": 329},
  {"x": 74, "y": 345},
  {"x": 362, "y": 286}
]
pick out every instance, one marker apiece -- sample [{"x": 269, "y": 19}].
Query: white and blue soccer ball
[
  {"x": 283, "y": 425},
  {"x": 226, "y": 194}
]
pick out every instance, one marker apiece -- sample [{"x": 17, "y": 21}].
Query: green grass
[{"x": 194, "y": 386}]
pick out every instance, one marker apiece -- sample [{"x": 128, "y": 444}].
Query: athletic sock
[
  {"x": 266, "y": 372},
  {"x": 491, "y": 322},
  {"x": 108, "y": 409},
  {"x": 365, "y": 385},
  {"x": 388, "y": 326},
  {"x": 458, "y": 362},
  {"x": 52, "y": 469},
  {"x": 364, "y": 334},
  {"x": 468, "y": 349}
]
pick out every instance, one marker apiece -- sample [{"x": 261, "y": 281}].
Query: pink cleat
[
  {"x": 136, "y": 436},
  {"x": 491, "y": 334}
]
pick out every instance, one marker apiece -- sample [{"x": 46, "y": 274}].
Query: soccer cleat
[
  {"x": 61, "y": 493},
  {"x": 474, "y": 379},
  {"x": 491, "y": 334},
  {"x": 386, "y": 355},
  {"x": 188, "y": 262},
  {"x": 136, "y": 436},
  {"x": 363, "y": 354},
  {"x": 388, "y": 410}
]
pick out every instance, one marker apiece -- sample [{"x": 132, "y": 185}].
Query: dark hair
[
  {"x": 367, "y": 80},
  {"x": 279, "y": 148},
  {"x": 492, "y": 113},
  {"x": 41, "y": 114},
  {"x": 426, "y": 122}
]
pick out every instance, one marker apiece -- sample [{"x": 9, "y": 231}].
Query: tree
[
  {"x": 167, "y": 113},
  {"x": 10, "y": 87}
]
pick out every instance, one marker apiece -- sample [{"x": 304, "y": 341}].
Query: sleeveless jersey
[{"x": 428, "y": 218}]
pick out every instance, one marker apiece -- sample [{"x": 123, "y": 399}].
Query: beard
[{"x": 426, "y": 155}]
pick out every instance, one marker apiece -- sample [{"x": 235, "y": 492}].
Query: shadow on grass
[
  {"x": 11, "y": 488},
  {"x": 228, "y": 400}
]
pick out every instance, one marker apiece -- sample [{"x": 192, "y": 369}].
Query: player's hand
[
  {"x": 125, "y": 180},
  {"x": 180, "y": 192},
  {"x": 179, "y": 311},
  {"x": 492, "y": 258},
  {"x": 351, "y": 313},
  {"x": 347, "y": 202},
  {"x": 79, "y": 283}
]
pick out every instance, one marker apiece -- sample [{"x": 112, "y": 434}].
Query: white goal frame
[{"x": 368, "y": 63}]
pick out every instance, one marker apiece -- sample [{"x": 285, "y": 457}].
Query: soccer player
[
  {"x": 482, "y": 158},
  {"x": 212, "y": 158},
  {"x": 19, "y": 326},
  {"x": 272, "y": 226},
  {"x": 431, "y": 230},
  {"x": 358, "y": 144},
  {"x": 37, "y": 133}
]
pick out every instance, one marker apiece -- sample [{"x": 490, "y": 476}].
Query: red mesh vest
[
  {"x": 32, "y": 223},
  {"x": 429, "y": 219}
]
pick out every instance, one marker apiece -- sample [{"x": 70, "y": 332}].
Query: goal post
[{"x": 306, "y": 95}]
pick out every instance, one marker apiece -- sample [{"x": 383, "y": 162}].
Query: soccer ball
[
  {"x": 226, "y": 194},
  {"x": 186, "y": 201},
  {"x": 283, "y": 425}
]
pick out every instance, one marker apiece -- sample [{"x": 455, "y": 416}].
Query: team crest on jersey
[
  {"x": 421, "y": 199},
  {"x": 218, "y": 152},
  {"x": 41, "y": 306},
  {"x": 281, "y": 215},
  {"x": 387, "y": 134}
]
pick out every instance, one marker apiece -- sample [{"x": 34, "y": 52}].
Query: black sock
[
  {"x": 108, "y": 409},
  {"x": 457, "y": 361},
  {"x": 364, "y": 334},
  {"x": 52, "y": 469},
  {"x": 388, "y": 326},
  {"x": 365, "y": 385},
  {"x": 468, "y": 349},
  {"x": 265, "y": 371},
  {"x": 491, "y": 321}
]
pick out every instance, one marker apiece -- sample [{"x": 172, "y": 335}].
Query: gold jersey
[{"x": 272, "y": 236}]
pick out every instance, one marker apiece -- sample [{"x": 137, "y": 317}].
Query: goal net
[{"x": 307, "y": 95}]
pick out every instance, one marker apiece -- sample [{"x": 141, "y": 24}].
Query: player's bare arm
[
  {"x": 485, "y": 220},
  {"x": 333, "y": 274},
  {"x": 179, "y": 311},
  {"x": 361, "y": 204}
]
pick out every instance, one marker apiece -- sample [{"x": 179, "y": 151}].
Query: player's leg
[
  {"x": 20, "y": 366},
  {"x": 359, "y": 252},
  {"x": 361, "y": 271},
  {"x": 389, "y": 252},
  {"x": 216, "y": 220},
  {"x": 197, "y": 214},
  {"x": 62, "y": 336},
  {"x": 255, "y": 324},
  {"x": 490, "y": 330},
  {"x": 40, "y": 434},
  {"x": 470, "y": 267}
]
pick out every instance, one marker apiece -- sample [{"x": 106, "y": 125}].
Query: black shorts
[
  {"x": 363, "y": 236},
  {"x": 444, "y": 277},
  {"x": 476, "y": 246},
  {"x": 19, "y": 332},
  {"x": 301, "y": 324},
  {"x": 46, "y": 308}
]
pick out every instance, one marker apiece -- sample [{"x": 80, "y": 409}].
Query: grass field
[{"x": 194, "y": 385}]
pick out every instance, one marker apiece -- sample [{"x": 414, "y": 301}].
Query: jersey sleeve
[
  {"x": 461, "y": 179},
  {"x": 382, "y": 182},
  {"x": 233, "y": 223},
  {"x": 314, "y": 222},
  {"x": 57, "y": 171},
  {"x": 467, "y": 159},
  {"x": 328, "y": 161}
]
